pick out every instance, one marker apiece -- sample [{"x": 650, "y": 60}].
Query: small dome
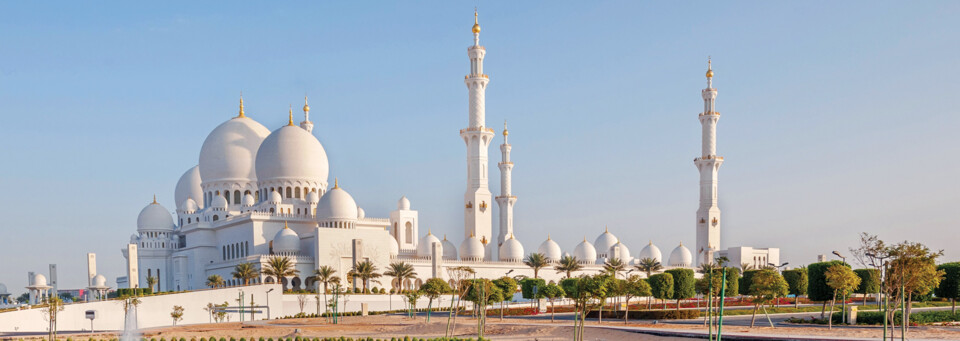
[
  {"x": 337, "y": 204},
  {"x": 248, "y": 200},
  {"x": 229, "y": 152},
  {"x": 425, "y": 245},
  {"x": 511, "y": 250},
  {"x": 551, "y": 250},
  {"x": 291, "y": 153},
  {"x": 604, "y": 242},
  {"x": 275, "y": 197},
  {"x": 39, "y": 280},
  {"x": 585, "y": 252},
  {"x": 361, "y": 213},
  {"x": 681, "y": 257},
  {"x": 651, "y": 251},
  {"x": 189, "y": 205},
  {"x": 623, "y": 255},
  {"x": 286, "y": 241},
  {"x": 134, "y": 238},
  {"x": 188, "y": 187},
  {"x": 449, "y": 250},
  {"x": 313, "y": 197},
  {"x": 3, "y": 289},
  {"x": 219, "y": 203},
  {"x": 155, "y": 217},
  {"x": 394, "y": 246},
  {"x": 99, "y": 281},
  {"x": 403, "y": 204},
  {"x": 471, "y": 249}
]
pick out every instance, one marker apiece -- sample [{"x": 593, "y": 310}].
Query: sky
[{"x": 837, "y": 117}]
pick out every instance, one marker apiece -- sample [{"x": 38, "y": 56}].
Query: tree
[
  {"x": 552, "y": 292},
  {"x": 54, "y": 305},
  {"x": 536, "y": 261},
  {"x": 817, "y": 288},
  {"x": 661, "y": 287},
  {"x": 508, "y": 287},
  {"x": 843, "y": 281},
  {"x": 280, "y": 267},
  {"x": 365, "y": 271},
  {"x": 869, "y": 244},
  {"x": 210, "y": 308},
  {"x": 869, "y": 282},
  {"x": 324, "y": 275},
  {"x": 177, "y": 314},
  {"x": 796, "y": 283},
  {"x": 527, "y": 286},
  {"x": 744, "y": 285},
  {"x": 433, "y": 288},
  {"x": 460, "y": 286},
  {"x": 568, "y": 265},
  {"x": 215, "y": 281},
  {"x": 480, "y": 293},
  {"x": 913, "y": 267},
  {"x": 614, "y": 266},
  {"x": 151, "y": 281},
  {"x": 684, "y": 284},
  {"x": 400, "y": 271},
  {"x": 733, "y": 281},
  {"x": 746, "y": 266},
  {"x": 245, "y": 272},
  {"x": 633, "y": 286},
  {"x": 648, "y": 266},
  {"x": 766, "y": 286},
  {"x": 582, "y": 290},
  {"x": 950, "y": 285}
]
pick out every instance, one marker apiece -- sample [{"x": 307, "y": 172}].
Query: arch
[
  {"x": 236, "y": 197},
  {"x": 215, "y": 217},
  {"x": 295, "y": 283},
  {"x": 269, "y": 280},
  {"x": 188, "y": 220},
  {"x": 296, "y": 192},
  {"x": 418, "y": 283},
  {"x": 247, "y": 247},
  {"x": 289, "y": 192},
  {"x": 272, "y": 210},
  {"x": 284, "y": 282},
  {"x": 409, "y": 232},
  {"x": 395, "y": 284}
]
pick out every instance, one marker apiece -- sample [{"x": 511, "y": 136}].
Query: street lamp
[
  {"x": 778, "y": 267},
  {"x": 268, "y": 302},
  {"x": 508, "y": 272},
  {"x": 839, "y": 255},
  {"x": 881, "y": 268}
]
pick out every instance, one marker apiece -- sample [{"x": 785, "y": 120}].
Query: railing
[
  {"x": 482, "y": 75},
  {"x": 715, "y": 113},
  {"x": 481, "y": 128}
]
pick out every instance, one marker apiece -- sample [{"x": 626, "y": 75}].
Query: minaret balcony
[
  {"x": 712, "y": 113},
  {"x": 480, "y": 129},
  {"x": 476, "y": 76},
  {"x": 708, "y": 157}
]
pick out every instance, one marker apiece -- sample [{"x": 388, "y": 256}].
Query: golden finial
[
  {"x": 336, "y": 183},
  {"x": 548, "y": 236},
  {"x": 285, "y": 225},
  {"x": 154, "y": 199},
  {"x": 709, "y": 68},
  {"x": 241, "y": 106},
  {"x": 476, "y": 23},
  {"x": 291, "y": 115},
  {"x": 444, "y": 236},
  {"x": 306, "y": 107},
  {"x": 429, "y": 232},
  {"x": 505, "y": 132},
  {"x": 605, "y": 230},
  {"x": 584, "y": 238}
]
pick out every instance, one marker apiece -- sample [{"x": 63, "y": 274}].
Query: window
[
  {"x": 247, "y": 246},
  {"x": 296, "y": 192},
  {"x": 224, "y": 251},
  {"x": 215, "y": 218},
  {"x": 409, "y": 233},
  {"x": 236, "y": 197},
  {"x": 289, "y": 192}
]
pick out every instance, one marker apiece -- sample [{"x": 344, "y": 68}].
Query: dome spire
[
  {"x": 154, "y": 199},
  {"x": 336, "y": 183},
  {"x": 709, "y": 67},
  {"x": 306, "y": 107},
  {"x": 285, "y": 225},
  {"x": 290, "y": 123},
  {"x": 241, "y": 115},
  {"x": 476, "y": 22}
]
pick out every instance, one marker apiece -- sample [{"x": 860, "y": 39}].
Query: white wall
[{"x": 154, "y": 311}]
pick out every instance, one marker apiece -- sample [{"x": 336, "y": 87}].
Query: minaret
[
  {"x": 708, "y": 215},
  {"x": 477, "y": 200},
  {"x": 506, "y": 199},
  {"x": 306, "y": 124}
]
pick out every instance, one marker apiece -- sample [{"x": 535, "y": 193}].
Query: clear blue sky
[{"x": 837, "y": 117}]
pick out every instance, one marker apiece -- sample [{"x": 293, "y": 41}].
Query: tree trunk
[
  {"x": 909, "y": 310},
  {"x": 832, "y": 303},
  {"x": 553, "y": 311},
  {"x": 678, "y": 304},
  {"x": 626, "y": 312},
  {"x": 796, "y": 301},
  {"x": 823, "y": 310},
  {"x": 953, "y": 308},
  {"x": 600, "y": 316},
  {"x": 754, "y": 318}
]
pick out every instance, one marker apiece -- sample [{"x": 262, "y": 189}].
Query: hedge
[
  {"x": 817, "y": 288},
  {"x": 950, "y": 285},
  {"x": 527, "y": 284},
  {"x": 869, "y": 281},
  {"x": 745, "y": 282},
  {"x": 684, "y": 283},
  {"x": 650, "y": 314},
  {"x": 796, "y": 281},
  {"x": 121, "y": 292},
  {"x": 661, "y": 285},
  {"x": 733, "y": 282}
]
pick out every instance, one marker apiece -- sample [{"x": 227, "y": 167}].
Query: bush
[
  {"x": 950, "y": 285},
  {"x": 661, "y": 285},
  {"x": 684, "y": 284},
  {"x": 650, "y": 314},
  {"x": 733, "y": 282},
  {"x": 869, "y": 281},
  {"x": 817, "y": 288},
  {"x": 745, "y": 282},
  {"x": 796, "y": 281},
  {"x": 121, "y": 292},
  {"x": 527, "y": 285}
]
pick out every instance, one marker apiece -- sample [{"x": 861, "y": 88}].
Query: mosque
[{"x": 257, "y": 194}]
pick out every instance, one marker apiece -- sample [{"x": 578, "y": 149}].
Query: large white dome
[
  {"x": 291, "y": 153},
  {"x": 551, "y": 250},
  {"x": 603, "y": 243},
  {"x": 425, "y": 245},
  {"x": 286, "y": 241},
  {"x": 449, "y": 250},
  {"x": 337, "y": 204},
  {"x": 99, "y": 281},
  {"x": 471, "y": 249},
  {"x": 189, "y": 206},
  {"x": 651, "y": 251},
  {"x": 394, "y": 246},
  {"x": 229, "y": 152},
  {"x": 585, "y": 252},
  {"x": 189, "y": 187},
  {"x": 155, "y": 217},
  {"x": 681, "y": 257},
  {"x": 511, "y": 250},
  {"x": 624, "y": 254},
  {"x": 39, "y": 280}
]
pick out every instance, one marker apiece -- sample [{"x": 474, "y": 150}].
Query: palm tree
[
  {"x": 536, "y": 261},
  {"x": 568, "y": 265},
  {"x": 215, "y": 281},
  {"x": 365, "y": 271},
  {"x": 245, "y": 272},
  {"x": 151, "y": 281},
  {"x": 280, "y": 267},
  {"x": 648, "y": 265},
  {"x": 614, "y": 266},
  {"x": 400, "y": 271},
  {"x": 324, "y": 275},
  {"x": 745, "y": 266}
]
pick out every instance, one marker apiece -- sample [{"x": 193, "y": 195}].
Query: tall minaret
[
  {"x": 708, "y": 215},
  {"x": 306, "y": 124},
  {"x": 477, "y": 200},
  {"x": 506, "y": 199}
]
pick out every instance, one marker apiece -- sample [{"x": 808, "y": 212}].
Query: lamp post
[
  {"x": 880, "y": 268},
  {"x": 778, "y": 267},
  {"x": 843, "y": 303},
  {"x": 268, "y": 302}
]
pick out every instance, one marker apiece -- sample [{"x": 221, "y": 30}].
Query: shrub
[
  {"x": 869, "y": 281},
  {"x": 796, "y": 281},
  {"x": 684, "y": 285},
  {"x": 950, "y": 285},
  {"x": 817, "y": 288},
  {"x": 745, "y": 281},
  {"x": 527, "y": 285},
  {"x": 661, "y": 285},
  {"x": 733, "y": 279},
  {"x": 650, "y": 314}
]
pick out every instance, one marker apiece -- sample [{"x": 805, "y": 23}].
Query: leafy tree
[
  {"x": 508, "y": 287},
  {"x": 536, "y": 261},
  {"x": 913, "y": 267},
  {"x": 177, "y": 314},
  {"x": 733, "y": 282},
  {"x": 582, "y": 290},
  {"x": 527, "y": 285},
  {"x": 684, "y": 284},
  {"x": 552, "y": 292},
  {"x": 869, "y": 282},
  {"x": 744, "y": 284},
  {"x": 796, "y": 282},
  {"x": 480, "y": 293},
  {"x": 400, "y": 271},
  {"x": 280, "y": 267},
  {"x": 614, "y": 266},
  {"x": 460, "y": 286},
  {"x": 568, "y": 265},
  {"x": 648, "y": 266},
  {"x": 151, "y": 281},
  {"x": 950, "y": 286},
  {"x": 215, "y": 281},
  {"x": 245, "y": 272},
  {"x": 843, "y": 281},
  {"x": 634, "y": 286},
  {"x": 661, "y": 286},
  {"x": 766, "y": 286},
  {"x": 365, "y": 271},
  {"x": 324, "y": 275},
  {"x": 433, "y": 288},
  {"x": 817, "y": 288}
]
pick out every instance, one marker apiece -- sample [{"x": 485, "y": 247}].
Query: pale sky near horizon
[{"x": 837, "y": 117}]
